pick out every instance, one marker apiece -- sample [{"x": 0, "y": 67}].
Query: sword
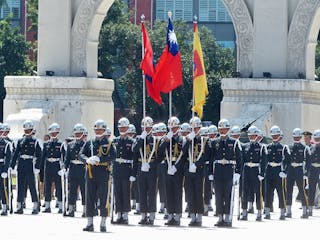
[
  {"x": 63, "y": 195},
  {"x": 231, "y": 202},
  {"x": 112, "y": 200},
  {"x": 66, "y": 193},
  {"x": 10, "y": 191}
]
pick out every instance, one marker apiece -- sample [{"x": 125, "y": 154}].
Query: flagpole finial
[
  {"x": 143, "y": 17},
  {"x": 195, "y": 18},
  {"x": 169, "y": 14}
]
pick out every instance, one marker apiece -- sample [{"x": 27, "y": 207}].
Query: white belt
[
  {"x": 207, "y": 162},
  {"x": 274, "y": 164},
  {"x": 1, "y": 160},
  {"x": 251, "y": 164},
  {"x": 225, "y": 161},
  {"x": 26, "y": 156},
  {"x": 53, "y": 160},
  {"x": 121, "y": 160},
  {"x": 76, "y": 162},
  {"x": 316, "y": 165},
  {"x": 295, "y": 164}
]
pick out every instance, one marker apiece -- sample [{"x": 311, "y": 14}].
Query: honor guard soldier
[
  {"x": 254, "y": 164},
  {"x": 313, "y": 169},
  {"x": 194, "y": 172},
  {"x": 235, "y": 132},
  {"x": 275, "y": 177},
  {"x": 146, "y": 147},
  {"x": 123, "y": 171},
  {"x": 75, "y": 169},
  {"x": 226, "y": 157},
  {"x": 52, "y": 161},
  {"x": 5, "y": 157},
  {"x": 176, "y": 152},
  {"x": 98, "y": 154},
  {"x": 134, "y": 188},
  {"x": 27, "y": 151},
  {"x": 296, "y": 171}
]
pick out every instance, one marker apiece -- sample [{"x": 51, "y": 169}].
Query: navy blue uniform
[
  {"x": 5, "y": 157},
  {"x": 313, "y": 169}
]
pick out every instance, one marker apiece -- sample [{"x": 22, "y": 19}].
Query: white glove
[
  {"x": 67, "y": 173},
  {"x": 260, "y": 177},
  {"x": 210, "y": 177},
  {"x": 132, "y": 179},
  {"x": 93, "y": 160},
  {"x": 236, "y": 178},
  {"x": 192, "y": 168},
  {"x": 4, "y": 175},
  {"x": 145, "y": 167},
  {"x": 319, "y": 176},
  {"x": 169, "y": 135},
  {"x": 61, "y": 172},
  {"x": 172, "y": 170},
  {"x": 306, "y": 178},
  {"x": 282, "y": 175},
  {"x": 191, "y": 135},
  {"x": 144, "y": 134},
  {"x": 36, "y": 171},
  {"x": 13, "y": 171}
]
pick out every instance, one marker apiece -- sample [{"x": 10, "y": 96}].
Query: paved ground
[{"x": 54, "y": 226}]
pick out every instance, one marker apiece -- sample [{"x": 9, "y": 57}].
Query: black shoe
[
  {"x": 35, "y": 211},
  {"x": 23, "y": 205},
  {"x": 227, "y": 224},
  {"x": 282, "y": 217},
  {"x": 60, "y": 210},
  {"x": 244, "y": 218},
  {"x": 144, "y": 221},
  {"x": 125, "y": 222},
  {"x": 103, "y": 229},
  {"x": 271, "y": 209},
  {"x": 19, "y": 211},
  {"x": 150, "y": 222},
  {"x": 170, "y": 222},
  {"x": 289, "y": 215},
  {"x": 88, "y": 228},
  {"x": 267, "y": 216},
  {"x": 219, "y": 224},
  {"x": 47, "y": 210},
  {"x": 4, "y": 213},
  {"x": 193, "y": 224},
  {"x": 251, "y": 210},
  {"x": 118, "y": 221},
  {"x": 71, "y": 214},
  {"x": 176, "y": 223},
  {"x": 305, "y": 216},
  {"x": 259, "y": 219},
  {"x": 310, "y": 213}
]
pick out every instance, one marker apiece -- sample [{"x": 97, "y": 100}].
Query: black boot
[{"x": 89, "y": 228}]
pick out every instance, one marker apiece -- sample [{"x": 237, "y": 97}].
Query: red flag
[
  {"x": 168, "y": 75},
  {"x": 148, "y": 67}
]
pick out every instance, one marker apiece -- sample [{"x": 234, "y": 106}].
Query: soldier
[
  {"x": 254, "y": 163},
  {"x": 134, "y": 188},
  {"x": 313, "y": 169},
  {"x": 146, "y": 148},
  {"x": 98, "y": 155},
  {"x": 108, "y": 133},
  {"x": 176, "y": 150},
  {"x": 235, "y": 132},
  {"x": 52, "y": 162},
  {"x": 123, "y": 171},
  {"x": 5, "y": 157},
  {"x": 296, "y": 171},
  {"x": 194, "y": 173},
  {"x": 27, "y": 149},
  {"x": 226, "y": 157},
  {"x": 75, "y": 169},
  {"x": 277, "y": 157}
]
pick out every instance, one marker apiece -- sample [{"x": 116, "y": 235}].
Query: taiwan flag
[
  {"x": 168, "y": 75},
  {"x": 147, "y": 65}
]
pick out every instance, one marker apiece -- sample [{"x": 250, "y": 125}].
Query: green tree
[
  {"x": 318, "y": 60},
  {"x": 13, "y": 55}
]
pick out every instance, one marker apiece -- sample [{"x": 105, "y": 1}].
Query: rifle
[{"x": 245, "y": 127}]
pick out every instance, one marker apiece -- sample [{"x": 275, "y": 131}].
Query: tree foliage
[
  {"x": 120, "y": 56},
  {"x": 318, "y": 60}
]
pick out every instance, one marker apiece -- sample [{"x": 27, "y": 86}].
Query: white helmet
[
  {"x": 253, "y": 130},
  {"x": 203, "y": 131},
  {"x": 297, "y": 132},
  {"x": 212, "y": 129},
  {"x": 100, "y": 124},
  {"x": 146, "y": 122},
  {"x": 173, "y": 122},
  {"x": 108, "y": 131},
  {"x": 275, "y": 130},
  {"x": 195, "y": 122},
  {"x": 235, "y": 130},
  {"x": 161, "y": 127},
  {"x": 85, "y": 132},
  {"x": 123, "y": 122},
  {"x": 28, "y": 124},
  {"x": 316, "y": 133},
  {"x": 78, "y": 128},
  {"x": 223, "y": 123},
  {"x": 54, "y": 128},
  {"x": 5, "y": 127},
  {"x": 185, "y": 127},
  {"x": 132, "y": 129}
]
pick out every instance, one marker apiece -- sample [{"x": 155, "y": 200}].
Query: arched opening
[{"x": 313, "y": 49}]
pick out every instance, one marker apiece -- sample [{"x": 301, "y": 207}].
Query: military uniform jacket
[
  {"x": 52, "y": 156},
  {"x": 5, "y": 155},
  {"x": 123, "y": 164},
  {"x": 277, "y": 159},
  {"x": 254, "y": 160},
  {"x": 27, "y": 150},
  {"x": 226, "y": 157},
  {"x": 198, "y": 155},
  {"x": 72, "y": 162},
  {"x": 299, "y": 156},
  {"x": 313, "y": 165}
]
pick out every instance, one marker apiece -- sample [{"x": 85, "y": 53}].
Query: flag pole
[
  {"x": 192, "y": 142},
  {"x": 170, "y": 109},
  {"x": 143, "y": 91}
]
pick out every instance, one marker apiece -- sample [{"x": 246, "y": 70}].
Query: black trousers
[
  {"x": 148, "y": 191},
  {"x": 96, "y": 186},
  {"x": 174, "y": 193},
  {"x": 4, "y": 194},
  {"x": 74, "y": 183},
  {"x": 194, "y": 184},
  {"x": 275, "y": 183},
  {"x": 223, "y": 188},
  {"x": 26, "y": 180},
  {"x": 49, "y": 178},
  {"x": 122, "y": 194},
  {"x": 207, "y": 194},
  {"x": 251, "y": 189},
  {"x": 295, "y": 175},
  {"x": 162, "y": 171}
]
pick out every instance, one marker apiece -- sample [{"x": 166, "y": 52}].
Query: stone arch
[
  {"x": 302, "y": 39},
  {"x": 243, "y": 26},
  {"x": 85, "y": 36}
]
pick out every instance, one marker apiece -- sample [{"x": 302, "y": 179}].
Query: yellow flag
[{"x": 200, "y": 88}]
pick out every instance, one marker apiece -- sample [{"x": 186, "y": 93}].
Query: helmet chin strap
[
  {"x": 79, "y": 138},
  {"x": 297, "y": 141}
]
